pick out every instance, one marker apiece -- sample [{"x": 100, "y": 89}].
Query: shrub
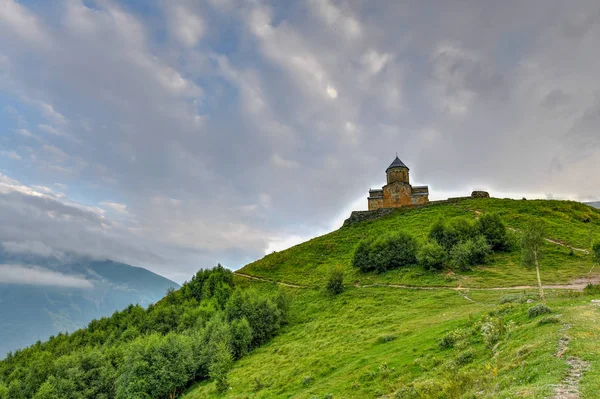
[
  {"x": 513, "y": 298},
  {"x": 537, "y": 310},
  {"x": 554, "y": 319},
  {"x": 449, "y": 235},
  {"x": 393, "y": 252},
  {"x": 335, "y": 284},
  {"x": 432, "y": 256},
  {"x": 386, "y": 253},
  {"x": 362, "y": 257},
  {"x": 492, "y": 330},
  {"x": 591, "y": 289},
  {"x": 494, "y": 231},
  {"x": 450, "y": 339},
  {"x": 596, "y": 252},
  {"x": 465, "y": 357},
  {"x": 469, "y": 253},
  {"x": 386, "y": 338}
]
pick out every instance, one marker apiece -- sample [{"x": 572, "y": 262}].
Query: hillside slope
[
  {"x": 570, "y": 223},
  {"x": 412, "y": 333},
  {"x": 29, "y": 313}
]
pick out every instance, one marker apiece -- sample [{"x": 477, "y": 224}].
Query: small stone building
[{"x": 397, "y": 192}]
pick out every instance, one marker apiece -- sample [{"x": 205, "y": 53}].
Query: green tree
[
  {"x": 241, "y": 337},
  {"x": 595, "y": 258},
  {"x": 362, "y": 257},
  {"x": 494, "y": 231},
  {"x": 155, "y": 367},
  {"x": 335, "y": 283},
  {"x": 432, "y": 256},
  {"x": 220, "y": 365},
  {"x": 3, "y": 391},
  {"x": 470, "y": 253},
  {"x": 532, "y": 242}
]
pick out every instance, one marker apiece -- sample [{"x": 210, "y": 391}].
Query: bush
[
  {"x": 362, "y": 257},
  {"x": 592, "y": 289},
  {"x": 494, "y": 231},
  {"x": 449, "y": 235},
  {"x": 513, "y": 298},
  {"x": 386, "y": 338},
  {"x": 386, "y": 253},
  {"x": 450, "y": 339},
  {"x": 554, "y": 319},
  {"x": 465, "y": 357},
  {"x": 432, "y": 256},
  {"x": 335, "y": 284},
  {"x": 469, "y": 253},
  {"x": 492, "y": 330},
  {"x": 596, "y": 252},
  {"x": 537, "y": 310}
]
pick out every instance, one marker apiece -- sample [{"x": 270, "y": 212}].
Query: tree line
[{"x": 193, "y": 334}]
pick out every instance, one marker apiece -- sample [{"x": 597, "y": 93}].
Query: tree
[
  {"x": 595, "y": 258},
  {"x": 335, "y": 284},
  {"x": 220, "y": 365},
  {"x": 362, "y": 257},
  {"x": 494, "y": 231},
  {"x": 531, "y": 249},
  {"x": 432, "y": 256}
]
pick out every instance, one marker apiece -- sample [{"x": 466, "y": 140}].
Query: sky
[{"x": 177, "y": 134}]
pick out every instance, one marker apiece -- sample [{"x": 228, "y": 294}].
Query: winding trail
[
  {"x": 269, "y": 281},
  {"x": 577, "y": 285},
  {"x": 569, "y": 388}
]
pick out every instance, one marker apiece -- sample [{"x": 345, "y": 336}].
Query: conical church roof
[{"x": 396, "y": 164}]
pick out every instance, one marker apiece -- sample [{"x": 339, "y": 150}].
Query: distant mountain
[
  {"x": 594, "y": 204},
  {"x": 41, "y": 296}
]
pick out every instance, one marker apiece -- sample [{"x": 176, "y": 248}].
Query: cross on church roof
[{"x": 397, "y": 163}]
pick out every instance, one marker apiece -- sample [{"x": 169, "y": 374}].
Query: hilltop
[
  {"x": 412, "y": 333},
  {"x": 571, "y": 224}
]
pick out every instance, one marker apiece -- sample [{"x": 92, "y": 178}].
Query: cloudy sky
[{"x": 177, "y": 134}]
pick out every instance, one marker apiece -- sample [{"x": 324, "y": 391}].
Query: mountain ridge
[{"x": 95, "y": 288}]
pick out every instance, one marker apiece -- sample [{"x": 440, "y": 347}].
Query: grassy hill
[{"x": 410, "y": 333}]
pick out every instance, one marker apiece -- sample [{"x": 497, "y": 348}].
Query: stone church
[{"x": 397, "y": 192}]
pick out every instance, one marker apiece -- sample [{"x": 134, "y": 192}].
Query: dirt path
[
  {"x": 551, "y": 241},
  {"x": 269, "y": 281},
  {"x": 576, "y": 285},
  {"x": 569, "y": 388}
]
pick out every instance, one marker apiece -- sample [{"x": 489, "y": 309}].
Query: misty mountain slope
[
  {"x": 66, "y": 294},
  {"x": 594, "y": 204}
]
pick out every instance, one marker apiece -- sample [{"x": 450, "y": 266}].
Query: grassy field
[{"x": 384, "y": 342}]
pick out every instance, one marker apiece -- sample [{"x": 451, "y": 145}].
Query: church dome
[{"x": 397, "y": 163}]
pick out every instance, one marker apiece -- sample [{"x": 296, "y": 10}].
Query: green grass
[
  {"x": 375, "y": 341},
  {"x": 383, "y": 342},
  {"x": 568, "y": 222}
]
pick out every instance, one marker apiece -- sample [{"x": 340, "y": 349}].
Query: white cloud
[
  {"x": 281, "y": 162},
  {"x": 332, "y": 92},
  {"x": 115, "y": 206},
  {"x": 52, "y": 130},
  {"x": 52, "y": 114},
  {"x": 11, "y": 155},
  {"x": 335, "y": 18},
  {"x": 186, "y": 26},
  {"x": 375, "y": 61},
  {"x": 22, "y": 22},
  {"x": 18, "y": 274},
  {"x": 24, "y": 132}
]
